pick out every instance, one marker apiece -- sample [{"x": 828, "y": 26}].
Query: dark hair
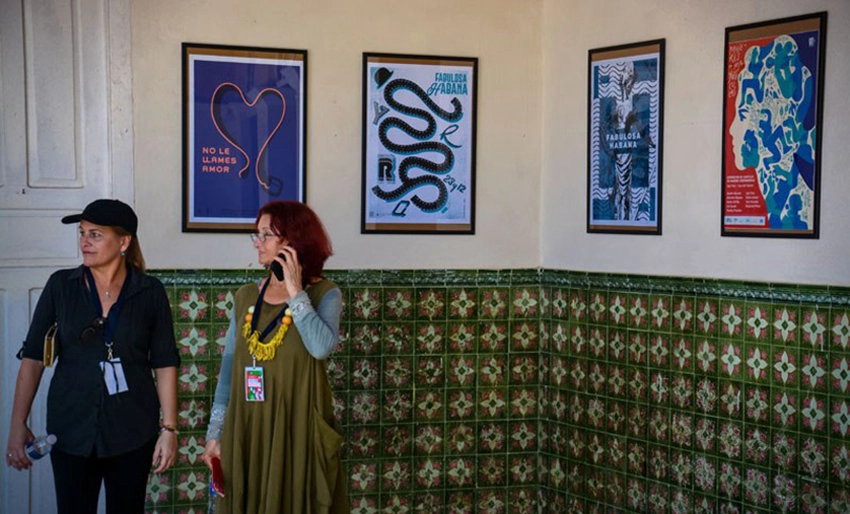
[
  {"x": 305, "y": 232},
  {"x": 134, "y": 251}
]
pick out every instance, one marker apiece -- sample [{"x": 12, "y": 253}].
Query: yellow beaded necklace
[{"x": 259, "y": 350}]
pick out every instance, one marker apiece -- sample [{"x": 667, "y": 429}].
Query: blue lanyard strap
[
  {"x": 112, "y": 319},
  {"x": 255, "y": 318}
]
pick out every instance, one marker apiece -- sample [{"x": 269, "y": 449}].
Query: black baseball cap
[{"x": 108, "y": 213}]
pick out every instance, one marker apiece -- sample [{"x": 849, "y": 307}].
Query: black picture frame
[
  {"x": 625, "y": 138},
  {"x": 419, "y": 144},
  {"x": 244, "y": 128}
]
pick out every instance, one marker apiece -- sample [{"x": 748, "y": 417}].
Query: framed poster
[
  {"x": 772, "y": 110},
  {"x": 419, "y": 132},
  {"x": 244, "y": 138},
  {"x": 625, "y": 138}
]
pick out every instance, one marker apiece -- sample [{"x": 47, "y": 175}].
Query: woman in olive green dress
[{"x": 272, "y": 421}]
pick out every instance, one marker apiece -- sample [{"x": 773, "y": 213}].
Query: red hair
[{"x": 305, "y": 232}]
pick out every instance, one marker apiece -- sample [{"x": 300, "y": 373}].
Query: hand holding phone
[{"x": 276, "y": 267}]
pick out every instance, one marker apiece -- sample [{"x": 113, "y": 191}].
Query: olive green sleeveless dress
[{"x": 282, "y": 455}]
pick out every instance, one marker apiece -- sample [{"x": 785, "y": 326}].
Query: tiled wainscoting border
[{"x": 518, "y": 391}]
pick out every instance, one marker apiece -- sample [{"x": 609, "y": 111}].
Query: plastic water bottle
[{"x": 40, "y": 446}]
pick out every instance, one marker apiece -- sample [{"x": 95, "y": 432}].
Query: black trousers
[{"x": 77, "y": 480}]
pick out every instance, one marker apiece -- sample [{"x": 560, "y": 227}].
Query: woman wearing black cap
[{"x": 113, "y": 326}]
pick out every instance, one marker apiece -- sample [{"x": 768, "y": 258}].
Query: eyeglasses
[
  {"x": 262, "y": 237},
  {"x": 96, "y": 325}
]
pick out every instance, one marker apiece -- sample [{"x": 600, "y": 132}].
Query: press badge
[
  {"x": 254, "y": 384},
  {"x": 113, "y": 375}
]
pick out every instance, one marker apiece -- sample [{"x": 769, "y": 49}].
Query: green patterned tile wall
[{"x": 522, "y": 391}]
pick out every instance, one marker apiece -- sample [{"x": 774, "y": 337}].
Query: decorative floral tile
[
  {"x": 494, "y": 303},
  {"x": 731, "y": 318},
  {"x": 784, "y": 492},
  {"x": 839, "y": 329},
  {"x": 430, "y": 338},
  {"x": 731, "y": 400},
  {"x": 463, "y": 303},
  {"x": 660, "y": 312},
  {"x": 617, "y": 345},
  {"x": 756, "y": 487},
  {"x": 561, "y": 335},
  {"x": 397, "y": 406},
  {"x": 192, "y": 305},
  {"x": 397, "y": 441},
  {"x": 617, "y": 380},
  {"x": 492, "y": 404},
  {"x": 363, "y": 443},
  {"x": 596, "y": 342},
  {"x": 839, "y": 375},
  {"x": 785, "y": 409},
  {"x": 398, "y": 303},
  {"x": 730, "y": 359},
  {"x": 814, "y": 370},
  {"x": 840, "y": 462},
  {"x": 813, "y": 327},
  {"x": 840, "y": 416},
  {"x": 659, "y": 350},
  {"x": 814, "y": 414},
  {"x": 682, "y": 354},
  {"x": 363, "y": 477},
  {"x": 365, "y": 339},
  {"x": 638, "y": 314},
  {"x": 785, "y": 367},
  {"x": 525, "y": 302},
  {"x": 579, "y": 305},
  {"x": 493, "y": 336},
  {"x": 757, "y": 322},
  {"x": 618, "y": 308},
  {"x": 461, "y": 404},
  {"x": 365, "y": 304},
  {"x": 597, "y": 306},
  {"x": 707, "y": 317},
  {"x": 757, "y": 406},
  {"x": 706, "y": 355},
  {"x": 658, "y": 462},
  {"x": 492, "y": 470},
  {"x": 683, "y": 314},
  {"x": 758, "y": 363},
  {"x": 785, "y": 323},
  {"x": 398, "y": 338},
  {"x": 431, "y": 303},
  {"x": 524, "y": 336},
  {"x": 757, "y": 445}
]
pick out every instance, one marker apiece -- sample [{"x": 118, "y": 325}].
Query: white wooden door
[{"x": 66, "y": 138}]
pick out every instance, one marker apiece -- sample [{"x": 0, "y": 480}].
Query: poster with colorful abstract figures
[
  {"x": 772, "y": 110},
  {"x": 243, "y": 133},
  {"x": 418, "y": 157},
  {"x": 625, "y": 138}
]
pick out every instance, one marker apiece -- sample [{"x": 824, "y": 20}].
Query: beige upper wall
[
  {"x": 503, "y": 34},
  {"x": 691, "y": 244}
]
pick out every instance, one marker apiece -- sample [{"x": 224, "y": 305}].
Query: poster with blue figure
[
  {"x": 418, "y": 160},
  {"x": 625, "y": 138},
  {"x": 243, "y": 133},
  {"x": 773, "y": 97}
]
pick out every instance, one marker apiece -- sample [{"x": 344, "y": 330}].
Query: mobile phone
[
  {"x": 276, "y": 268},
  {"x": 217, "y": 478}
]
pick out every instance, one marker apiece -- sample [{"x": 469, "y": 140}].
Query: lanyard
[
  {"x": 255, "y": 318},
  {"x": 112, "y": 319}
]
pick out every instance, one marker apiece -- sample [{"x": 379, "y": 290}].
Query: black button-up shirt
[{"x": 84, "y": 417}]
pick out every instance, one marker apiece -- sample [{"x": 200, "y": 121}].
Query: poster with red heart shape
[{"x": 243, "y": 133}]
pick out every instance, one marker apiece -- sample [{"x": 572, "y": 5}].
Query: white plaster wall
[
  {"x": 691, "y": 244},
  {"x": 503, "y": 34}
]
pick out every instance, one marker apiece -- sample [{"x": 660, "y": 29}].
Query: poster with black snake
[
  {"x": 419, "y": 144},
  {"x": 243, "y": 133},
  {"x": 625, "y": 137}
]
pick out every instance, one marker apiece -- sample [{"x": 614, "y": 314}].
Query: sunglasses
[{"x": 95, "y": 326}]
